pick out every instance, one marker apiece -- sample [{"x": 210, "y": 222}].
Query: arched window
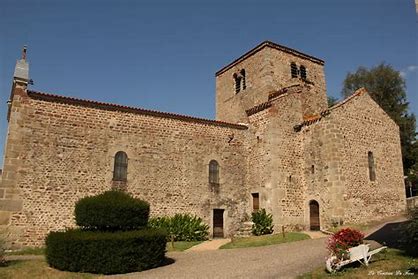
[
  {"x": 243, "y": 79},
  {"x": 120, "y": 170},
  {"x": 303, "y": 72},
  {"x": 372, "y": 170},
  {"x": 237, "y": 80},
  {"x": 213, "y": 172},
  {"x": 293, "y": 70}
]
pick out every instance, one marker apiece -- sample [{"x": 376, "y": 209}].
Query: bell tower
[{"x": 269, "y": 67}]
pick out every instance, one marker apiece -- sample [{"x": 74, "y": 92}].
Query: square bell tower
[{"x": 269, "y": 67}]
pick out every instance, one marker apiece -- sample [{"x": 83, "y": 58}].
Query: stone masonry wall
[
  {"x": 68, "y": 152},
  {"x": 364, "y": 127},
  {"x": 337, "y": 145},
  {"x": 275, "y": 159}
]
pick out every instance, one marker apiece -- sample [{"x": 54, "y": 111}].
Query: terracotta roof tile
[
  {"x": 115, "y": 107},
  {"x": 315, "y": 118}
]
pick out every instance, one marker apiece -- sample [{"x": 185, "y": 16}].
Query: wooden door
[
  {"x": 218, "y": 223},
  {"x": 314, "y": 215},
  {"x": 256, "y": 201}
]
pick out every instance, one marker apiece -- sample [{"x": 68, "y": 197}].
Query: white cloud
[
  {"x": 412, "y": 68},
  {"x": 408, "y": 70}
]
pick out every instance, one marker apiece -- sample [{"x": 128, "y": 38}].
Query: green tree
[
  {"x": 387, "y": 87},
  {"x": 332, "y": 101}
]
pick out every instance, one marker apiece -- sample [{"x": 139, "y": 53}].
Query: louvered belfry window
[
  {"x": 242, "y": 72},
  {"x": 213, "y": 172},
  {"x": 120, "y": 171},
  {"x": 237, "y": 80},
  {"x": 303, "y": 72},
  {"x": 294, "y": 70}
]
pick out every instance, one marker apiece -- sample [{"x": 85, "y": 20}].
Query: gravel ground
[{"x": 276, "y": 261}]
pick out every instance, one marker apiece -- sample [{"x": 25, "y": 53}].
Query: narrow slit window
[
  {"x": 303, "y": 72},
  {"x": 372, "y": 169},
  {"x": 293, "y": 70},
  {"x": 313, "y": 169},
  {"x": 213, "y": 172},
  {"x": 120, "y": 170}
]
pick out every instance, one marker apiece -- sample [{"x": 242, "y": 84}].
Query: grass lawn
[
  {"x": 28, "y": 269},
  {"x": 28, "y": 251},
  {"x": 256, "y": 241},
  {"x": 181, "y": 245},
  {"x": 390, "y": 263}
]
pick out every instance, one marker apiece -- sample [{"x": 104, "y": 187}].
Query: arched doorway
[{"x": 314, "y": 215}]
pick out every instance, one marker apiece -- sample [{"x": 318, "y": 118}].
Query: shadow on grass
[{"x": 389, "y": 235}]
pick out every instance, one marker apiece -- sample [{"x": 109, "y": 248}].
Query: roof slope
[
  {"x": 272, "y": 45},
  {"x": 115, "y": 107}
]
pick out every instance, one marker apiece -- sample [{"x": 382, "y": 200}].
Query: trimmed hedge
[
  {"x": 182, "y": 227},
  {"x": 111, "y": 211},
  {"x": 106, "y": 252}
]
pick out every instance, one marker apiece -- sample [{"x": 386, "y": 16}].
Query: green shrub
[
  {"x": 111, "y": 211},
  {"x": 105, "y": 252},
  {"x": 410, "y": 234},
  {"x": 182, "y": 227},
  {"x": 2, "y": 250},
  {"x": 263, "y": 222}
]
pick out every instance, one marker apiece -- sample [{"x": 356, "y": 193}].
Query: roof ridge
[
  {"x": 109, "y": 106},
  {"x": 315, "y": 118},
  {"x": 273, "y": 45}
]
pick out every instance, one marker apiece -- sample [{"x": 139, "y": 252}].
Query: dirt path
[{"x": 275, "y": 261}]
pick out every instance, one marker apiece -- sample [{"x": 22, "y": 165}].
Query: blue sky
[{"x": 163, "y": 55}]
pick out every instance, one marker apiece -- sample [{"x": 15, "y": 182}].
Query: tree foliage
[
  {"x": 332, "y": 101},
  {"x": 387, "y": 87}
]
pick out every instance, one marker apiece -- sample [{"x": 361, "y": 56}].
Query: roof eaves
[
  {"x": 272, "y": 45},
  {"x": 115, "y": 107}
]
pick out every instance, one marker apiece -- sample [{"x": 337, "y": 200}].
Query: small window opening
[
  {"x": 256, "y": 201},
  {"x": 303, "y": 72},
  {"x": 290, "y": 178},
  {"x": 243, "y": 79},
  {"x": 213, "y": 172},
  {"x": 372, "y": 168},
  {"x": 120, "y": 170},
  {"x": 313, "y": 169},
  {"x": 293, "y": 70}
]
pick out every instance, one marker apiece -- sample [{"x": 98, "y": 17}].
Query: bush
[
  {"x": 341, "y": 241},
  {"x": 410, "y": 235},
  {"x": 111, "y": 211},
  {"x": 182, "y": 227},
  {"x": 263, "y": 222},
  {"x": 105, "y": 252},
  {"x": 2, "y": 251}
]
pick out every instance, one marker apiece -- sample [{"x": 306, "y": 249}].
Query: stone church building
[{"x": 275, "y": 144}]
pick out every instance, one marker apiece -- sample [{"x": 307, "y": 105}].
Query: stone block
[
  {"x": 11, "y": 205},
  {"x": 4, "y": 217}
]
